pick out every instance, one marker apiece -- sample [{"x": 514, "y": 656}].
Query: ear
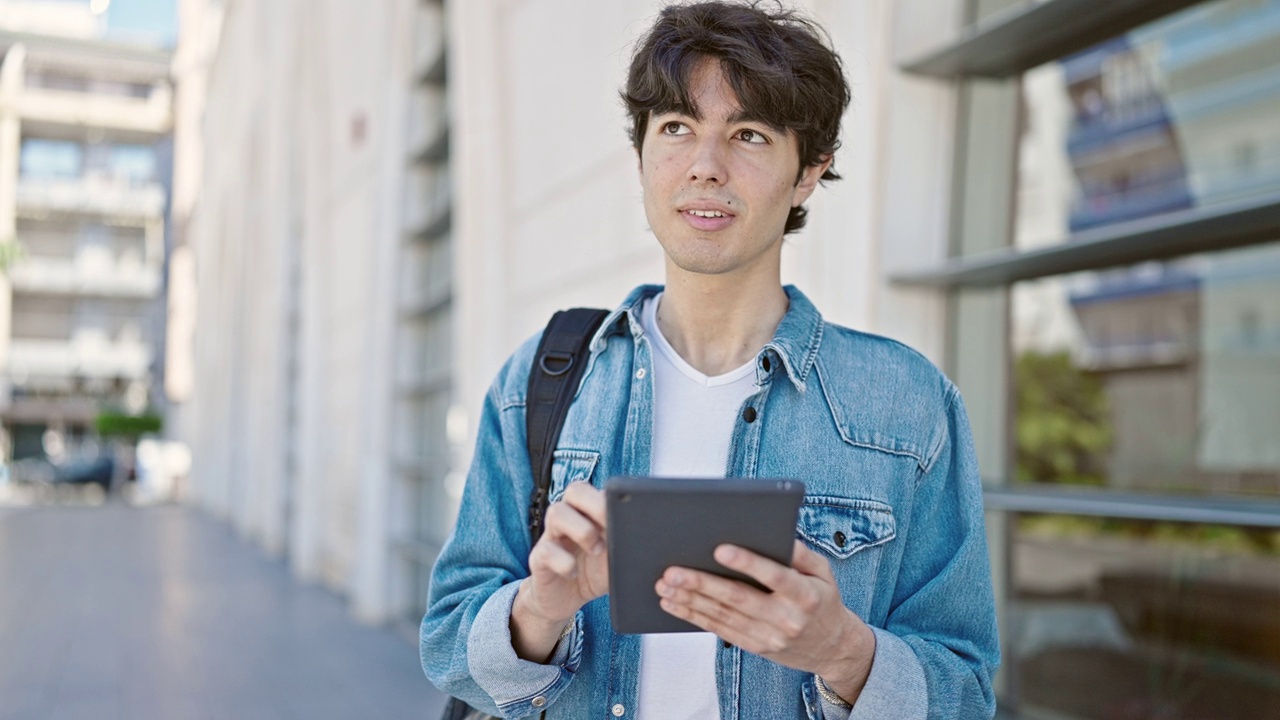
[{"x": 809, "y": 181}]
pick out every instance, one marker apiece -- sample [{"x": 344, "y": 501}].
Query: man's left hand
[{"x": 802, "y": 624}]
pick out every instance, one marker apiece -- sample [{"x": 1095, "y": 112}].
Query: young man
[{"x": 887, "y": 610}]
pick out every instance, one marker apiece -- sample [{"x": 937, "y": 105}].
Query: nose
[{"x": 708, "y": 162}]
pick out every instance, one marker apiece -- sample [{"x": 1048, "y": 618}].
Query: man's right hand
[{"x": 569, "y": 567}]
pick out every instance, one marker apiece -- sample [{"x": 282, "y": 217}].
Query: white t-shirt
[{"x": 693, "y": 418}]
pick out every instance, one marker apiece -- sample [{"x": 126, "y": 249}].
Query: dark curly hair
[{"x": 780, "y": 65}]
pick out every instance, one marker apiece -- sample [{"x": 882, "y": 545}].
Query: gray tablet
[{"x": 655, "y": 523}]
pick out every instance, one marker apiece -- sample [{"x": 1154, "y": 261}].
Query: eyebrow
[
  {"x": 746, "y": 116},
  {"x": 741, "y": 116}
]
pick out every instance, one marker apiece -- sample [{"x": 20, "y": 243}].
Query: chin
[{"x": 703, "y": 264}]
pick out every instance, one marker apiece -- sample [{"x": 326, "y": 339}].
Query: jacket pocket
[
  {"x": 570, "y": 466},
  {"x": 844, "y": 526},
  {"x": 851, "y": 534}
]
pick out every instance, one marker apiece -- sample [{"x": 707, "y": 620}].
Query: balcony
[
  {"x": 428, "y": 123},
  {"x": 429, "y": 51},
  {"x": 428, "y": 199},
  {"x": 86, "y": 274},
  {"x": 89, "y": 355},
  {"x": 149, "y": 116},
  {"x": 90, "y": 196}
]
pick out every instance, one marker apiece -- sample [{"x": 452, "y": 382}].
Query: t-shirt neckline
[{"x": 689, "y": 371}]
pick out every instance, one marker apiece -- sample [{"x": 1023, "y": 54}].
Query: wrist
[
  {"x": 532, "y": 614},
  {"x": 847, "y": 673},
  {"x": 533, "y": 635}
]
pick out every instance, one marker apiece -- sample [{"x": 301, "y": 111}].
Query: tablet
[{"x": 655, "y": 523}]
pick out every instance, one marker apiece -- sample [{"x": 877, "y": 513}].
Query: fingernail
[
  {"x": 663, "y": 588},
  {"x": 675, "y": 577},
  {"x": 727, "y": 553},
  {"x": 597, "y": 548}
]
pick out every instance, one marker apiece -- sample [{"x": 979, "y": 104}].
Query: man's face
[{"x": 718, "y": 189}]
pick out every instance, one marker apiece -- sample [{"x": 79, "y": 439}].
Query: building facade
[
  {"x": 311, "y": 301},
  {"x": 85, "y": 156}
]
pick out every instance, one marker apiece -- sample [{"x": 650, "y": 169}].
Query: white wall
[{"x": 303, "y": 161}]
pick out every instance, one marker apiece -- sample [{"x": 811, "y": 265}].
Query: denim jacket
[{"x": 881, "y": 440}]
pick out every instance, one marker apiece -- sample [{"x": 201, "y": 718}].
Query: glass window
[
  {"x": 1156, "y": 378},
  {"x": 1148, "y": 381},
  {"x": 48, "y": 159},
  {"x": 1179, "y": 114},
  {"x": 121, "y": 163},
  {"x": 1126, "y": 619},
  {"x": 133, "y": 163}
]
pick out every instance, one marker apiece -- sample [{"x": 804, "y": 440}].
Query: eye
[
  {"x": 753, "y": 136},
  {"x": 674, "y": 128}
]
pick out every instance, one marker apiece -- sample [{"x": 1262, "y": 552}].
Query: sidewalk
[{"x": 116, "y": 613}]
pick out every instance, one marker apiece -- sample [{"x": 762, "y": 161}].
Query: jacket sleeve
[
  {"x": 938, "y": 650},
  {"x": 465, "y": 638}
]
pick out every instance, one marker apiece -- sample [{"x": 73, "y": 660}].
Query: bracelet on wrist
[{"x": 830, "y": 695}]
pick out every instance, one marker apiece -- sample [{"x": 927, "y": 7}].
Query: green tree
[
  {"x": 1063, "y": 421},
  {"x": 10, "y": 252}
]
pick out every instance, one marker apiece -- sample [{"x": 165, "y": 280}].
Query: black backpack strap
[{"x": 553, "y": 381}]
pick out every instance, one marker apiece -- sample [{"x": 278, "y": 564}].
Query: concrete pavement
[{"x": 117, "y": 613}]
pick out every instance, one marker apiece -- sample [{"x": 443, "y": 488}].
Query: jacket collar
[{"x": 795, "y": 342}]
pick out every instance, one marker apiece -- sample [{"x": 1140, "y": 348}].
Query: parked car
[{"x": 97, "y": 470}]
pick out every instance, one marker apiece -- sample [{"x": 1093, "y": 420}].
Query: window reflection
[
  {"x": 1135, "y": 620},
  {"x": 1181, "y": 113},
  {"x": 1164, "y": 377}
]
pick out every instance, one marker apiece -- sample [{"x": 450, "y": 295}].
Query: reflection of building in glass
[
  {"x": 1168, "y": 117},
  {"x": 1173, "y": 116},
  {"x": 1140, "y": 335},
  {"x": 1222, "y": 89},
  {"x": 84, "y": 128},
  {"x": 1122, "y": 144},
  {"x": 1240, "y": 370},
  {"x": 1190, "y": 357}
]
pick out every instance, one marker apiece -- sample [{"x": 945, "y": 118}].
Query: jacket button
[
  {"x": 618, "y": 710},
  {"x": 640, "y": 374},
  {"x": 749, "y": 414},
  {"x": 840, "y": 539},
  {"x": 539, "y": 701}
]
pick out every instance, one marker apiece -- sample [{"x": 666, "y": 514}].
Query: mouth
[{"x": 707, "y": 218}]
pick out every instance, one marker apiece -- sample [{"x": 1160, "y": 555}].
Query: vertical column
[
  {"x": 423, "y": 367},
  {"x": 10, "y": 147},
  {"x": 978, "y": 348}
]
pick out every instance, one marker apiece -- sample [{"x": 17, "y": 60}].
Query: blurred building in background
[
  {"x": 1073, "y": 208},
  {"x": 310, "y": 291},
  {"x": 85, "y": 157}
]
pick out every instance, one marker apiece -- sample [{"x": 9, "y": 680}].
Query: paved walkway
[{"x": 116, "y": 613}]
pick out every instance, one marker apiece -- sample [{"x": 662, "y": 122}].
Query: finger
[
  {"x": 588, "y": 500},
  {"x": 726, "y": 623},
  {"x": 682, "y": 584},
  {"x": 565, "y": 522},
  {"x": 773, "y": 575},
  {"x": 709, "y": 613},
  {"x": 553, "y": 558},
  {"x": 809, "y": 562}
]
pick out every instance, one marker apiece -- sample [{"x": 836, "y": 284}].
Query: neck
[{"x": 718, "y": 323}]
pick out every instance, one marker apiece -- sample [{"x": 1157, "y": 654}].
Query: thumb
[{"x": 809, "y": 562}]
